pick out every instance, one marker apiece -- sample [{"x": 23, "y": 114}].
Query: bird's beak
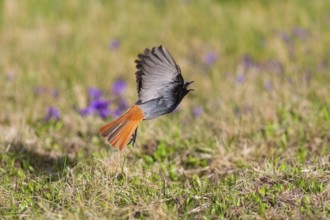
[{"x": 187, "y": 84}]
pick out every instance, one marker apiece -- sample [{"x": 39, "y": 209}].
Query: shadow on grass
[{"x": 46, "y": 165}]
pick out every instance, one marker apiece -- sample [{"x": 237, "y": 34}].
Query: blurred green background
[{"x": 252, "y": 141}]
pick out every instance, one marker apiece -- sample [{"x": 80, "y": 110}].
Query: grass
[{"x": 259, "y": 149}]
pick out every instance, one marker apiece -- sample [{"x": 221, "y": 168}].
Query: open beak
[{"x": 187, "y": 84}]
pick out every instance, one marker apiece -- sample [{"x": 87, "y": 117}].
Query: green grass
[{"x": 260, "y": 149}]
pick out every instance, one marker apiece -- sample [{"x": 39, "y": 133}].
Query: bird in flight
[{"x": 160, "y": 88}]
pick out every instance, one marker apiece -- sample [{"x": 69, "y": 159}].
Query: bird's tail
[{"x": 119, "y": 131}]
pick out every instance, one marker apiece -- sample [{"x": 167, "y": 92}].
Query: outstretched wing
[{"x": 156, "y": 73}]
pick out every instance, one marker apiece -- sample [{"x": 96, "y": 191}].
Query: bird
[{"x": 160, "y": 88}]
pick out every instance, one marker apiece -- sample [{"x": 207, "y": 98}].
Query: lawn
[{"x": 252, "y": 142}]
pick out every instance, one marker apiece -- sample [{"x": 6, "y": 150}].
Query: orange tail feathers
[{"x": 119, "y": 131}]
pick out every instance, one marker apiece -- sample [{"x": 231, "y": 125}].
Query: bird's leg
[{"x": 133, "y": 137}]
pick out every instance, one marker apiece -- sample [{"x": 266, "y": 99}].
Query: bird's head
[{"x": 181, "y": 93}]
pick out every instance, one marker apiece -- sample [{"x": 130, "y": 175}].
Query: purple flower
[
  {"x": 52, "y": 113},
  {"x": 118, "y": 87},
  {"x": 210, "y": 58},
  {"x": 94, "y": 93},
  {"x": 97, "y": 106},
  {"x": 114, "y": 44},
  {"x": 197, "y": 111},
  {"x": 55, "y": 93},
  {"x": 40, "y": 90},
  {"x": 247, "y": 62},
  {"x": 247, "y": 109},
  {"x": 87, "y": 111},
  {"x": 274, "y": 66},
  {"x": 240, "y": 79},
  {"x": 300, "y": 32},
  {"x": 120, "y": 109},
  {"x": 285, "y": 37}
]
